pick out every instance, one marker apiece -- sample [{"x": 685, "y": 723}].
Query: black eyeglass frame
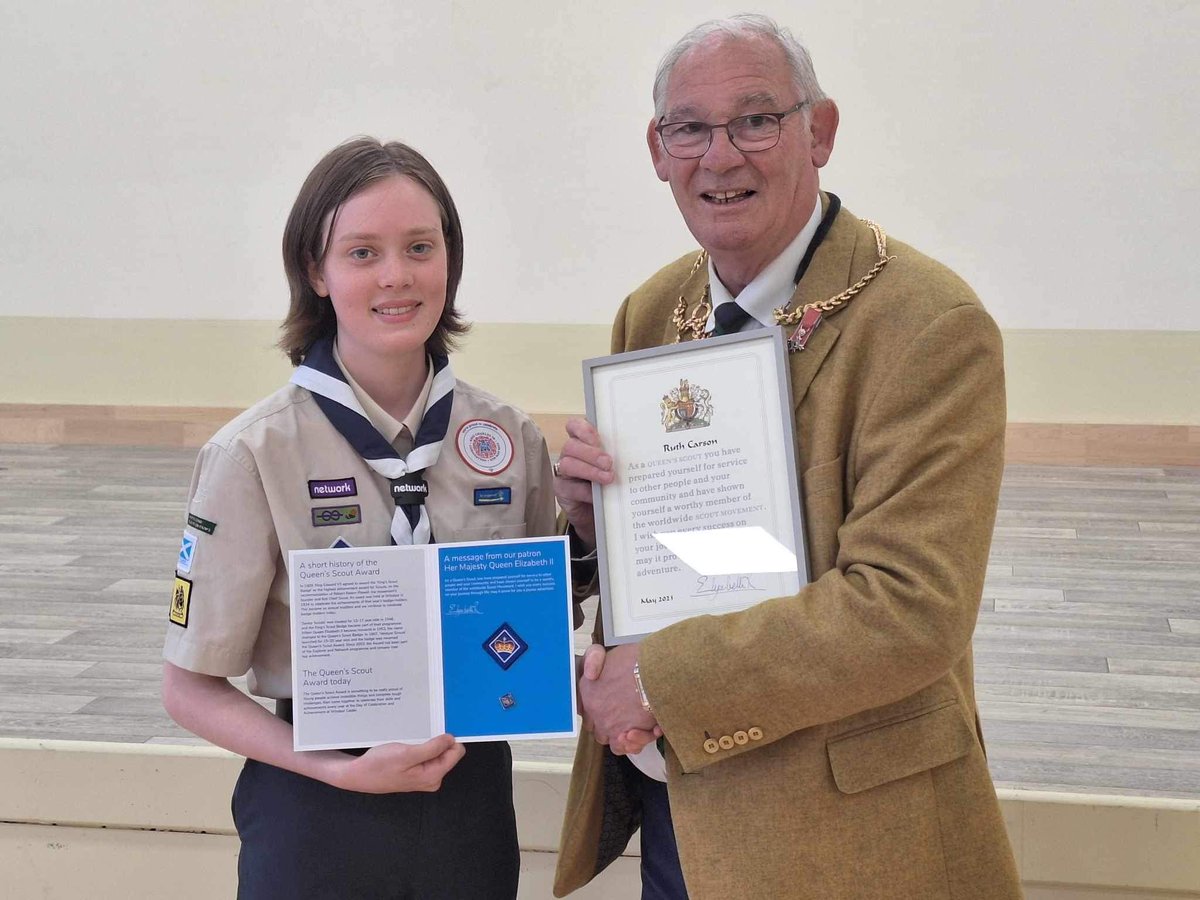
[{"x": 777, "y": 116}]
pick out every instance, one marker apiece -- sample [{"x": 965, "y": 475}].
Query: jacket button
[
  {"x": 726, "y": 742},
  {"x": 755, "y": 733},
  {"x": 710, "y": 746},
  {"x": 741, "y": 738}
]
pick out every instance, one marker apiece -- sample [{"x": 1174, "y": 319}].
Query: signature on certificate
[
  {"x": 711, "y": 585},
  {"x": 456, "y": 610}
]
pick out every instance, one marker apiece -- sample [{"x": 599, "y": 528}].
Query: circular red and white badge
[{"x": 485, "y": 446}]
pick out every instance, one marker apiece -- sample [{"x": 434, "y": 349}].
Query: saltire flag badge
[
  {"x": 505, "y": 646},
  {"x": 187, "y": 552},
  {"x": 181, "y": 596}
]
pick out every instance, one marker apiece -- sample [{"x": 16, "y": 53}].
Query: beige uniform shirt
[{"x": 280, "y": 477}]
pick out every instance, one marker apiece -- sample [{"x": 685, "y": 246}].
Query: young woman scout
[{"x": 373, "y": 254}]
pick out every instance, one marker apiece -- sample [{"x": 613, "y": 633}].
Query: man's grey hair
[{"x": 748, "y": 26}]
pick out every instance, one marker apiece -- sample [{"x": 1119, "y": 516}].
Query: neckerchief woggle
[{"x": 320, "y": 374}]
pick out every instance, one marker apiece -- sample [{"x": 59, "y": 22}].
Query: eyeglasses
[{"x": 749, "y": 134}]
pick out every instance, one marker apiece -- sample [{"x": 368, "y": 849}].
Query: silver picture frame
[{"x": 704, "y": 515}]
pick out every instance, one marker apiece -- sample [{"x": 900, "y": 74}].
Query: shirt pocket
[
  {"x": 878, "y": 754},
  {"x": 495, "y": 532}
]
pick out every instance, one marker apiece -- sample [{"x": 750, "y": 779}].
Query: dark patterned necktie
[{"x": 730, "y": 318}]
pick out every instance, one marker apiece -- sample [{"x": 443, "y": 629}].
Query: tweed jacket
[{"x": 866, "y": 777}]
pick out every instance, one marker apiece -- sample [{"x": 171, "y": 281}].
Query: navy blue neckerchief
[{"x": 321, "y": 376}]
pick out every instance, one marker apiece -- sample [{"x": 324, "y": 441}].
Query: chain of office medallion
[{"x": 697, "y": 322}]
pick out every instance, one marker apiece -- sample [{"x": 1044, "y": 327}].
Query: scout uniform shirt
[{"x": 280, "y": 477}]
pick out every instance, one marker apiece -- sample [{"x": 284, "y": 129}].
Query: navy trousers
[
  {"x": 662, "y": 877},
  {"x": 305, "y": 840}
]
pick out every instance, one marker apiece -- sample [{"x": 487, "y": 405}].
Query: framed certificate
[{"x": 704, "y": 515}]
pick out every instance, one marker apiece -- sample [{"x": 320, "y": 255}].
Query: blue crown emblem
[{"x": 505, "y": 646}]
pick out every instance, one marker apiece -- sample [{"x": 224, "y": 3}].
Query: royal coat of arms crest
[{"x": 686, "y": 407}]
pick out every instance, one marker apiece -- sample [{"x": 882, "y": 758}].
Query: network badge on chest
[
  {"x": 332, "y": 487},
  {"x": 485, "y": 446}
]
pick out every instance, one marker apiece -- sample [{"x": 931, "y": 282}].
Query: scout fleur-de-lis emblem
[{"x": 686, "y": 407}]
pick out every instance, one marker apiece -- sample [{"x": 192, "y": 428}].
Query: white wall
[{"x": 1049, "y": 151}]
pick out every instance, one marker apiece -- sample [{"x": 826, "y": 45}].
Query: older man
[{"x": 824, "y": 745}]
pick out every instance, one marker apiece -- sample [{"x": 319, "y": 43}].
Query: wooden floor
[{"x": 1087, "y": 649}]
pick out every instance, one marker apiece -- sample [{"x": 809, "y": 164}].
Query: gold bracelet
[{"x": 637, "y": 680}]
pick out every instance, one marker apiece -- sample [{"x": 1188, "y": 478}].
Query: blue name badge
[{"x": 496, "y": 496}]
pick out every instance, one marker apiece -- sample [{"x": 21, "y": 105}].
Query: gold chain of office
[{"x": 695, "y": 326}]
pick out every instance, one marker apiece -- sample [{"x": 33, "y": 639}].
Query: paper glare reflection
[{"x": 729, "y": 551}]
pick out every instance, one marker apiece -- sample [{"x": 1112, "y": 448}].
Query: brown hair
[{"x": 343, "y": 172}]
